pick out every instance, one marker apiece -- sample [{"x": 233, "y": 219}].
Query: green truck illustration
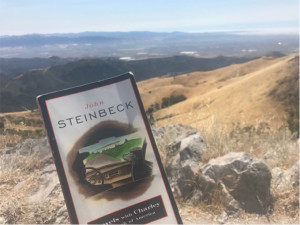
[{"x": 116, "y": 161}]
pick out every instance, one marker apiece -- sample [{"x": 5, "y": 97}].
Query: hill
[
  {"x": 19, "y": 93},
  {"x": 262, "y": 91},
  {"x": 12, "y": 67}
]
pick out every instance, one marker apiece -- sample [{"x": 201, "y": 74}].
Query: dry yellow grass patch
[
  {"x": 237, "y": 93},
  {"x": 15, "y": 127}
]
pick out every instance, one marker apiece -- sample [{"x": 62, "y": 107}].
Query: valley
[{"x": 19, "y": 92}]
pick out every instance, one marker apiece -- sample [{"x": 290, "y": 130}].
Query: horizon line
[{"x": 270, "y": 31}]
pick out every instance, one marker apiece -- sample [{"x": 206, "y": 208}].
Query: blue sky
[{"x": 63, "y": 16}]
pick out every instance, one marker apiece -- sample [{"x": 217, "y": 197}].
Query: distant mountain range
[
  {"x": 141, "y": 45},
  {"x": 12, "y": 67},
  {"x": 19, "y": 93}
]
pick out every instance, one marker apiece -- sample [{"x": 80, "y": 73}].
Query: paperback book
[{"x": 105, "y": 154}]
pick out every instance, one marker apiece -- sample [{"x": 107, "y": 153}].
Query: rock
[
  {"x": 25, "y": 148},
  {"x": 232, "y": 205},
  {"x": 2, "y": 220},
  {"x": 184, "y": 154},
  {"x": 62, "y": 216},
  {"x": 294, "y": 175},
  {"x": 285, "y": 180},
  {"x": 20, "y": 185},
  {"x": 38, "y": 148},
  {"x": 280, "y": 180},
  {"x": 190, "y": 145},
  {"x": 247, "y": 179},
  {"x": 42, "y": 151},
  {"x": 170, "y": 133},
  {"x": 43, "y": 199},
  {"x": 49, "y": 169},
  {"x": 223, "y": 217},
  {"x": 8, "y": 150},
  {"x": 165, "y": 135},
  {"x": 185, "y": 184},
  {"x": 48, "y": 183}
]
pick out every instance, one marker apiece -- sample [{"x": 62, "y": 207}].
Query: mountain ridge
[
  {"x": 264, "y": 90},
  {"x": 19, "y": 94}
]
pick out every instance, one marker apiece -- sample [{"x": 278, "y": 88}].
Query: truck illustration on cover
[{"x": 116, "y": 161}]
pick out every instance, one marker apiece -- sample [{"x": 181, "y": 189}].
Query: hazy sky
[{"x": 63, "y": 16}]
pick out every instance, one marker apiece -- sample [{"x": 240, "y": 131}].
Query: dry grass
[
  {"x": 19, "y": 179},
  {"x": 278, "y": 148},
  {"x": 287, "y": 202},
  {"x": 18, "y": 126},
  {"x": 18, "y": 175},
  {"x": 16, "y": 168},
  {"x": 240, "y": 116},
  {"x": 244, "y": 96}
]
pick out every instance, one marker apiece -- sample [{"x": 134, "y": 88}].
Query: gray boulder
[
  {"x": 190, "y": 147},
  {"x": 242, "y": 181},
  {"x": 38, "y": 148},
  {"x": 184, "y": 157},
  {"x": 48, "y": 182},
  {"x": 246, "y": 179},
  {"x": 166, "y": 135}
]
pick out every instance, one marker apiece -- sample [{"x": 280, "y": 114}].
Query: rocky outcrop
[
  {"x": 242, "y": 180},
  {"x": 190, "y": 147},
  {"x": 285, "y": 180},
  {"x": 247, "y": 179},
  {"x": 184, "y": 154},
  {"x": 40, "y": 193},
  {"x": 166, "y": 135},
  {"x": 38, "y": 148},
  {"x": 238, "y": 180}
]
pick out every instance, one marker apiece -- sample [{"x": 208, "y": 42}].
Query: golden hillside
[
  {"x": 248, "y": 94},
  {"x": 243, "y": 93}
]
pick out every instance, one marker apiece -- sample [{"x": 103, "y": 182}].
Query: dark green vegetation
[
  {"x": 149, "y": 113},
  {"x": 19, "y": 94},
  {"x": 166, "y": 102},
  {"x": 173, "y": 99},
  {"x": 11, "y": 68},
  {"x": 287, "y": 92}
]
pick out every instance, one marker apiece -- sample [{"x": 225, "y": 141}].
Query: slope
[
  {"x": 248, "y": 94},
  {"x": 19, "y": 93}
]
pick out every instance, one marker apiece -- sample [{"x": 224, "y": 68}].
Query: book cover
[{"x": 105, "y": 154}]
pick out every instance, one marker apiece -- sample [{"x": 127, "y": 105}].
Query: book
[{"x": 105, "y": 154}]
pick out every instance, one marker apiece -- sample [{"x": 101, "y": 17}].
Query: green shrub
[
  {"x": 173, "y": 99},
  {"x": 1, "y": 122},
  {"x": 293, "y": 122},
  {"x": 153, "y": 108}
]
